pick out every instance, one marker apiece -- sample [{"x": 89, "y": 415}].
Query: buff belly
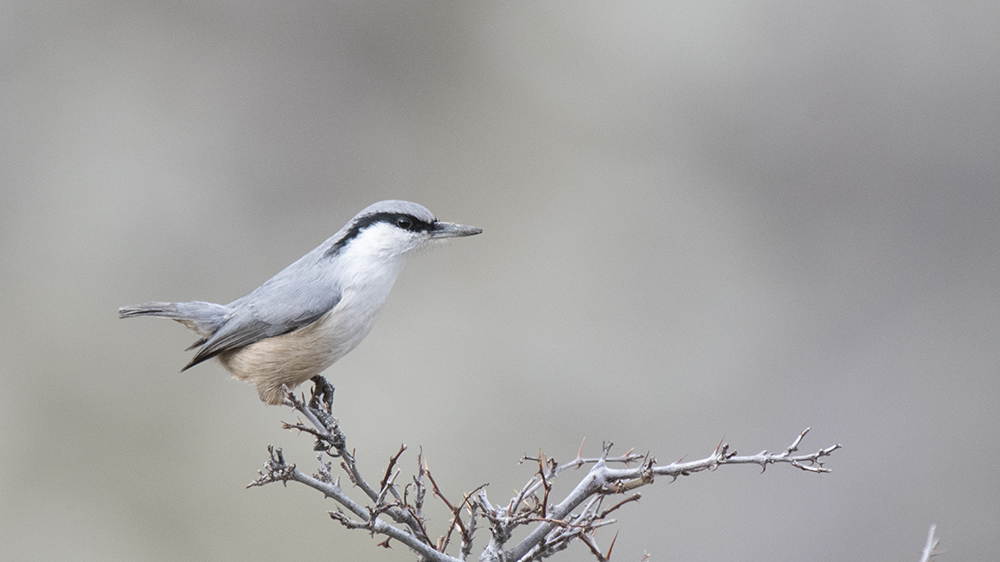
[{"x": 293, "y": 358}]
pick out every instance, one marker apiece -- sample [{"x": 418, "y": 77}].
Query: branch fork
[{"x": 395, "y": 511}]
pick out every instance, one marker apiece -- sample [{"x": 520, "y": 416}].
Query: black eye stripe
[{"x": 396, "y": 219}]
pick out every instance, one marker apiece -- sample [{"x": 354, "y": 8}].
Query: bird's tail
[{"x": 203, "y": 318}]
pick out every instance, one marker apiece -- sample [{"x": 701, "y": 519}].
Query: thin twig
[
  {"x": 930, "y": 548},
  {"x": 576, "y": 517}
]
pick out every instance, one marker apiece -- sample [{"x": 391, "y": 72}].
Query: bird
[{"x": 316, "y": 310}]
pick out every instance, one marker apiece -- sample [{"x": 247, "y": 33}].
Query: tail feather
[
  {"x": 200, "y": 342},
  {"x": 164, "y": 309},
  {"x": 203, "y": 318}
]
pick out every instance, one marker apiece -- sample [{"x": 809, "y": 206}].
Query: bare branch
[
  {"x": 275, "y": 469},
  {"x": 392, "y": 463},
  {"x": 592, "y": 545},
  {"x": 632, "y": 498},
  {"x": 397, "y": 514},
  {"x": 328, "y": 436},
  {"x": 369, "y": 522},
  {"x": 930, "y": 548},
  {"x": 602, "y": 479}
]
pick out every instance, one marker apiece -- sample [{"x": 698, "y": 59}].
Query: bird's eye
[{"x": 404, "y": 223}]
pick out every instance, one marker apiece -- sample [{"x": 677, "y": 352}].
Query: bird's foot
[
  {"x": 321, "y": 404},
  {"x": 322, "y": 394}
]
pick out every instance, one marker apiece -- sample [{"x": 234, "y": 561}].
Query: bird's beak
[{"x": 452, "y": 230}]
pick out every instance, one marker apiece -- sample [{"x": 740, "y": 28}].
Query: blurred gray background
[{"x": 703, "y": 221}]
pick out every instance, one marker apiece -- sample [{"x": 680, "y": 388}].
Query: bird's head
[{"x": 392, "y": 229}]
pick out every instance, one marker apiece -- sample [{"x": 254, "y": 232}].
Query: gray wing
[{"x": 275, "y": 308}]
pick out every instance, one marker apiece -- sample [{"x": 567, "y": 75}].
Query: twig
[
  {"x": 602, "y": 479},
  {"x": 930, "y": 548},
  {"x": 556, "y": 525}
]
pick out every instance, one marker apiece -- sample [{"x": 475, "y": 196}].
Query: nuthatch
[{"x": 316, "y": 310}]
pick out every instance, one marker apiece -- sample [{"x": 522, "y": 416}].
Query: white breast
[{"x": 368, "y": 270}]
